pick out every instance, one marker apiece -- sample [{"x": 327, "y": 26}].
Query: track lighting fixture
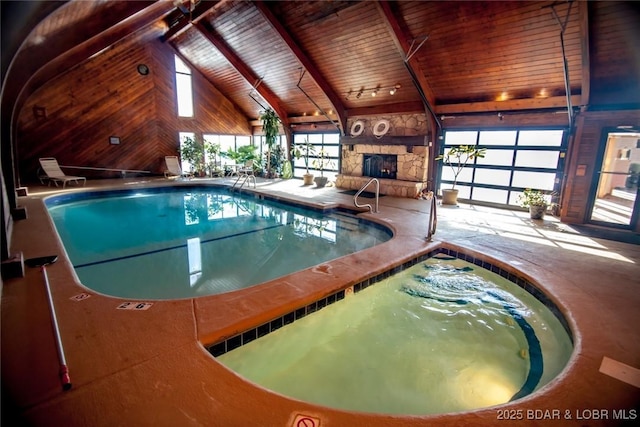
[{"x": 373, "y": 91}]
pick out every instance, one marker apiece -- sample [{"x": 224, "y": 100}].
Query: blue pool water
[
  {"x": 441, "y": 336},
  {"x": 186, "y": 242}
]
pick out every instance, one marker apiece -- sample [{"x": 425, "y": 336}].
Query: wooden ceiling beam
[
  {"x": 307, "y": 63},
  {"x": 397, "y": 108},
  {"x": 559, "y": 102},
  {"x": 201, "y": 10},
  {"x": 401, "y": 36},
  {"x": 243, "y": 69}
]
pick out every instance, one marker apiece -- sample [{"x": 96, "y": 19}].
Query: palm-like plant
[
  {"x": 458, "y": 157},
  {"x": 304, "y": 150},
  {"x": 270, "y": 122}
]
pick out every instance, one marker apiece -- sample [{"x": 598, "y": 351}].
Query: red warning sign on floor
[{"x": 302, "y": 420}]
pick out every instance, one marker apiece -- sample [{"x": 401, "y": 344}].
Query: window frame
[{"x": 512, "y": 190}]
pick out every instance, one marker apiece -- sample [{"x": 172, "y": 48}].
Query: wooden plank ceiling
[
  {"x": 320, "y": 60},
  {"x": 469, "y": 56}
]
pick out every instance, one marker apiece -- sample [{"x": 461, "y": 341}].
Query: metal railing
[
  {"x": 245, "y": 177},
  {"x": 367, "y": 205},
  {"x": 433, "y": 217}
]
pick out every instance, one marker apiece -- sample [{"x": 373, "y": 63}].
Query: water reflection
[{"x": 202, "y": 207}]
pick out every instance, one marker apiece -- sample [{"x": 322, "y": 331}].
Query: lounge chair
[
  {"x": 174, "y": 168},
  {"x": 247, "y": 168},
  {"x": 53, "y": 173}
]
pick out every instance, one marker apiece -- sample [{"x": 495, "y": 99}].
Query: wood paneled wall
[
  {"x": 614, "y": 56},
  {"x": 581, "y": 173},
  {"x": 73, "y": 116}
]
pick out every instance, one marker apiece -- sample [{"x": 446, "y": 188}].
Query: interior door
[{"x": 615, "y": 201}]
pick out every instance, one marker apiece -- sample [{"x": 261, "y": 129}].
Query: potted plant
[
  {"x": 536, "y": 201},
  {"x": 305, "y": 150},
  {"x": 270, "y": 122},
  {"x": 320, "y": 162},
  {"x": 212, "y": 152},
  {"x": 192, "y": 151},
  {"x": 457, "y": 158}
]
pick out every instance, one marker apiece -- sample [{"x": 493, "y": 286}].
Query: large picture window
[
  {"x": 329, "y": 142},
  {"x": 226, "y": 142},
  {"x": 514, "y": 160},
  {"x": 184, "y": 91}
]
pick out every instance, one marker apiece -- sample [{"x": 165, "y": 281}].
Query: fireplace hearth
[{"x": 380, "y": 165}]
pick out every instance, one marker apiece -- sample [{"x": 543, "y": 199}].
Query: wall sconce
[{"x": 40, "y": 113}]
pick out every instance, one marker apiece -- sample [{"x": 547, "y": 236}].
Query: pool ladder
[
  {"x": 245, "y": 177},
  {"x": 367, "y": 205}
]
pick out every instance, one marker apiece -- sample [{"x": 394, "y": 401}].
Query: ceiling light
[{"x": 373, "y": 91}]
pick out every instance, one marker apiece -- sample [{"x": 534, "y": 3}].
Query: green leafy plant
[
  {"x": 322, "y": 160},
  {"x": 458, "y": 157},
  {"x": 243, "y": 154},
  {"x": 270, "y": 122},
  {"x": 304, "y": 150},
  {"x": 212, "y": 152},
  {"x": 276, "y": 158},
  {"x": 192, "y": 151},
  {"x": 532, "y": 197}
]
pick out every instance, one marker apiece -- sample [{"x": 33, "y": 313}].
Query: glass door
[{"x": 615, "y": 199}]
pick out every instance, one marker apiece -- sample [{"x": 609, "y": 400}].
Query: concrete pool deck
[{"x": 149, "y": 367}]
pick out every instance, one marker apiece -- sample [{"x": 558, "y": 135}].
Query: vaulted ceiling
[{"x": 323, "y": 60}]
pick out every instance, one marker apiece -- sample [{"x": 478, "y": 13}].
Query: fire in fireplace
[{"x": 380, "y": 165}]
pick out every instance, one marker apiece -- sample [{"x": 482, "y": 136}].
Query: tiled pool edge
[{"x": 246, "y": 337}]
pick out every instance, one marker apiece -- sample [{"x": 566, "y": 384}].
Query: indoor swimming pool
[
  {"x": 184, "y": 242},
  {"x": 441, "y": 336}
]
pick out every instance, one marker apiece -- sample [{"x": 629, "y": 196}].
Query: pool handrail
[
  {"x": 244, "y": 177},
  {"x": 433, "y": 217},
  {"x": 367, "y": 205}
]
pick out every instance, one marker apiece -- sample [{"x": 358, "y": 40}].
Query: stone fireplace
[
  {"x": 398, "y": 159},
  {"x": 408, "y": 179},
  {"x": 380, "y": 165}
]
